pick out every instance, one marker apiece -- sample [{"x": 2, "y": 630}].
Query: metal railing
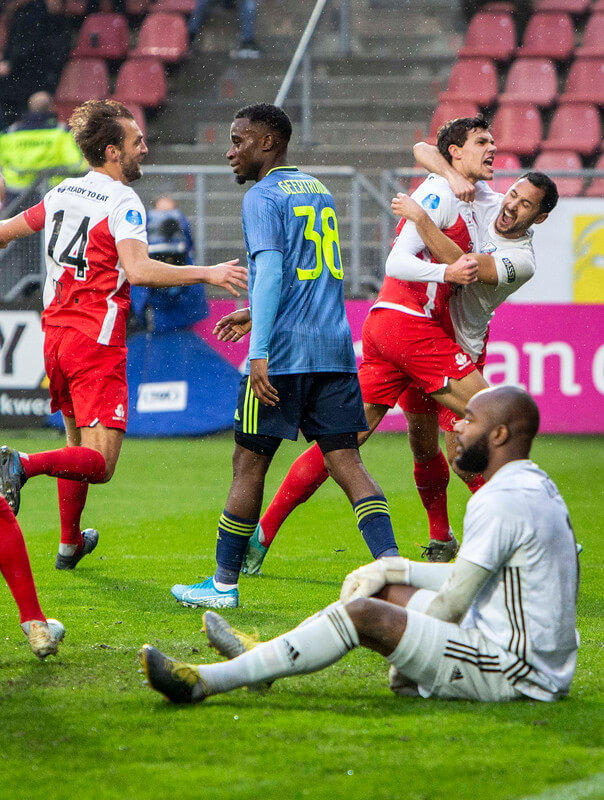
[
  {"x": 302, "y": 56},
  {"x": 212, "y": 202}
]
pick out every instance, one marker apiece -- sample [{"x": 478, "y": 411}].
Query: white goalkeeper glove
[{"x": 371, "y": 578}]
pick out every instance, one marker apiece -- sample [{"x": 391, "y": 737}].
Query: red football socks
[
  {"x": 72, "y": 499},
  {"x": 432, "y": 479},
  {"x": 305, "y": 476},
  {"x": 15, "y": 566},
  {"x": 475, "y": 484},
  {"x": 75, "y": 463}
]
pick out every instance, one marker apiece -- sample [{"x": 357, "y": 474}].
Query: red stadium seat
[
  {"x": 76, "y": 8},
  {"x": 175, "y": 6},
  {"x": 585, "y": 82},
  {"x": 447, "y": 111},
  {"x": 548, "y": 36},
  {"x": 517, "y": 128},
  {"x": 575, "y": 126},
  {"x": 141, "y": 81},
  {"x": 103, "y": 35},
  {"x": 531, "y": 80},
  {"x": 598, "y": 6},
  {"x": 565, "y": 160},
  {"x": 138, "y": 112},
  {"x": 499, "y": 5},
  {"x": 596, "y": 187},
  {"x": 162, "y": 36},
  {"x": 490, "y": 36},
  {"x": 472, "y": 79},
  {"x": 563, "y": 6},
  {"x": 82, "y": 79},
  {"x": 593, "y": 37},
  {"x": 3, "y": 32},
  {"x": 504, "y": 161}
]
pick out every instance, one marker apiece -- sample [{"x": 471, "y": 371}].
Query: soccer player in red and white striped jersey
[{"x": 96, "y": 246}]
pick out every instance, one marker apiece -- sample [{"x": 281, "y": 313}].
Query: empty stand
[
  {"x": 531, "y": 80},
  {"x": 585, "y": 82},
  {"x": 564, "y": 160},
  {"x": 548, "y": 36},
  {"x": 490, "y": 36},
  {"x": 517, "y": 128},
  {"x": 162, "y": 36},
  {"x": 472, "y": 79},
  {"x": 82, "y": 79},
  {"x": 504, "y": 161},
  {"x": 103, "y": 35},
  {"x": 446, "y": 111},
  {"x": 575, "y": 126},
  {"x": 593, "y": 37},
  {"x": 596, "y": 187},
  {"x": 141, "y": 81}
]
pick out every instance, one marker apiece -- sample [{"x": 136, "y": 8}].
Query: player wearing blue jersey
[{"x": 301, "y": 370}]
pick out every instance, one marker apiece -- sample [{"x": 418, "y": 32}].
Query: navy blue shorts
[{"x": 317, "y": 403}]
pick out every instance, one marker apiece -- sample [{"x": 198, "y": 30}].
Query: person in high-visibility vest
[{"x": 37, "y": 142}]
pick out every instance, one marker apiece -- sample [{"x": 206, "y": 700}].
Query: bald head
[
  {"x": 40, "y": 102},
  {"x": 499, "y": 426}
]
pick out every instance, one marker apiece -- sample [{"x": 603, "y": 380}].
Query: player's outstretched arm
[
  {"x": 144, "y": 271},
  {"x": 429, "y": 157},
  {"x": 234, "y": 326},
  {"x": 14, "y": 228}
]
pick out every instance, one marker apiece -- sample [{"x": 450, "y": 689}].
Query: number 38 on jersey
[{"x": 326, "y": 242}]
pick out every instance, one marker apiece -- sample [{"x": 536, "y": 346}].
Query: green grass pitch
[{"x": 81, "y": 725}]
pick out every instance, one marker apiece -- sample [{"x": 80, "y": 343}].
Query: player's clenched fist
[
  {"x": 462, "y": 271},
  {"x": 228, "y": 275},
  {"x": 371, "y": 578}
]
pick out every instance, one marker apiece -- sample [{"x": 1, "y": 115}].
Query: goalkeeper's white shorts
[{"x": 447, "y": 661}]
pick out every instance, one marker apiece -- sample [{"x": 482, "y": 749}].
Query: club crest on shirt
[{"x": 488, "y": 248}]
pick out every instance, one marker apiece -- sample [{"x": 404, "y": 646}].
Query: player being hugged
[
  {"x": 96, "y": 246},
  {"x": 301, "y": 371}
]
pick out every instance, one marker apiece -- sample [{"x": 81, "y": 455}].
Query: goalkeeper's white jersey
[
  {"x": 517, "y": 526},
  {"x": 472, "y": 307}
]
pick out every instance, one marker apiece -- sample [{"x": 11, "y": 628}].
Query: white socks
[{"x": 312, "y": 646}]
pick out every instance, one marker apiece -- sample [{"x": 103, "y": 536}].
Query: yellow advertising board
[{"x": 588, "y": 258}]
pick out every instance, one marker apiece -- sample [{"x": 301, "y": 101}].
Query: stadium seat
[
  {"x": 585, "y": 82},
  {"x": 517, "y": 128},
  {"x": 504, "y": 161},
  {"x": 490, "y": 36},
  {"x": 138, "y": 112},
  {"x": 575, "y": 126},
  {"x": 103, "y": 35},
  {"x": 446, "y": 111},
  {"x": 472, "y": 79},
  {"x": 141, "y": 81},
  {"x": 499, "y": 5},
  {"x": 175, "y": 6},
  {"x": 596, "y": 187},
  {"x": 598, "y": 6},
  {"x": 531, "y": 80},
  {"x": 136, "y": 8},
  {"x": 563, "y": 6},
  {"x": 76, "y": 8},
  {"x": 3, "y": 32},
  {"x": 82, "y": 79},
  {"x": 548, "y": 36},
  {"x": 593, "y": 37},
  {"x": 162, "y": 36},
  {"x": 565, "y": 160}
]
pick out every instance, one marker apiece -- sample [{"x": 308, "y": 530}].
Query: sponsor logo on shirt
[
  {"x": 509, "y": 269},
  {"x": 134, "y": 217},
  {"x": 431, "y": 201}
]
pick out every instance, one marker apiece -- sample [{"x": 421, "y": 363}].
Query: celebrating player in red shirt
[{"x": 96, "y": 246}]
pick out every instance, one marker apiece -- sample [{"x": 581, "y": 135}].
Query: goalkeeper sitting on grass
[{"x": 497, "y": 625}]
